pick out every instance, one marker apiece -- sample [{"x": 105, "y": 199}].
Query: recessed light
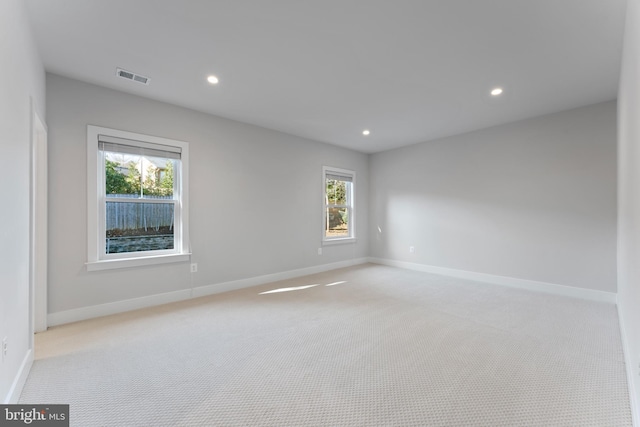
[
  {"x": 213, "y": 80},
  {"x": 366, "y": 132},
  {"x": 497, "y": 91}
]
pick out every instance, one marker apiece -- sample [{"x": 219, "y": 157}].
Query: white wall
[
  {"x": 629, "y": 200},
  {"x": 255, "y": 197},
  {"x": 533, "y": 200},
  {"x": 21, "y": 79}
]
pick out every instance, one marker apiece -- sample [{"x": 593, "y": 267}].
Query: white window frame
[
  {"x": 351, "y": 205},
  {"x": 97, "y": 258}
]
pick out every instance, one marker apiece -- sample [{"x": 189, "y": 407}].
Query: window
[
  {"x": 338, "y": 217},
  {"x": 137, "y": 199}
]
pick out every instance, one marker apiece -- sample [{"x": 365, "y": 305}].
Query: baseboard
[
  {"x": 261, "y": 280},
  {"x": 630, "y": 366},
  {"x": 513, "y": 282},
  {"x": 84, "y": 313},
  {"x": 21, "y": 378}
]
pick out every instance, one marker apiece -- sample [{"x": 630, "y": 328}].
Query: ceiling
[{"x": 408, "y": 70}]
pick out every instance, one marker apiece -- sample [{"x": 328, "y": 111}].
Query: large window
[
  {"x": 138, "y": 204},
  {"x": 338, "y": 215}
]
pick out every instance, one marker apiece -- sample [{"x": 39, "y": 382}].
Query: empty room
[{"x": 320, "y": 213}]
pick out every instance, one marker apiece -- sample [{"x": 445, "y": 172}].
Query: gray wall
[
  {"x": 21, "y": 79},
  {"x": 535, "y": 200},
  {"x": 255, "y": 197},
  {"x": 629, "y": 199}
]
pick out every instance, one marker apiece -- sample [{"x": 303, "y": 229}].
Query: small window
[
  {"x": 338, "y": 217},
  {"x": 137, "y": 199}
]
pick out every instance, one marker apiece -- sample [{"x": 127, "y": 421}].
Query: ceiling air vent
[{"x": 132, "y": 76}]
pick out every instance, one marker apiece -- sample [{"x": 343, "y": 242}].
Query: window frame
[
  {"x": 97, "y": 258},
  {"x": 351, "y": 206}
]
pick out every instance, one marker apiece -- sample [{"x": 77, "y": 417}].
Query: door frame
[{"x": 38, "y": 223}]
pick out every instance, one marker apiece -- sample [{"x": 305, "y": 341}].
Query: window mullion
[{"x": 137, "y": 200}]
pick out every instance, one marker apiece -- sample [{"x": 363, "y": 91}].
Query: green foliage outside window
[
  {"x": 336, "y": 192},
  {"x": 116, "y": 182},
  {"x": 158, "y": 181}
]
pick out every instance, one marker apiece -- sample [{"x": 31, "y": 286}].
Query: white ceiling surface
[{"x": 408, "y": 70}]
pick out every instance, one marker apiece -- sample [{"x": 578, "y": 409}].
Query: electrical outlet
[
  {"x": 4, "y": 348},
  {"x": 412, "y": 249},
  {"x": 319, "y": 251},
  {"x": 194, "y": 267}
]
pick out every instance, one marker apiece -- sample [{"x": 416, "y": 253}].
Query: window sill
[
  {"x": 342, "y": 241},
  {"x": 111, "y": 264}
]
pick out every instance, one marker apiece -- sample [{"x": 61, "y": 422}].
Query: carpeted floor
[{"x": 364, "y": 346}]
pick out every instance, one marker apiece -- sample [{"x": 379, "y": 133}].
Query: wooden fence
[{"x": 133, "y": 216}]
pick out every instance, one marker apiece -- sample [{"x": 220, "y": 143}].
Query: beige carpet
[{"x": 365, "y": 346}]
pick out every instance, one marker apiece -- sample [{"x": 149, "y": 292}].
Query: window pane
[
  {"x": 157, "y": 179},
  {"x": 337, "y": 224},
  {"x": 122, "y": 174},
  {"x": 336, "y": 191},
  {"x": 140, "y": 176},
  {"x": 135, "y": 227}
]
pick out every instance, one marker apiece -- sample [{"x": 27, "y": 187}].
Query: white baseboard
[
  {"x": 100, "y": 310},
  {"x": 21, "y": 378},
  {"x": 631, "y": 366},
  {"x": 513, "y": 282},
  {"x": 261, "y": 280},
  {"x": 84, "y": 313}
]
